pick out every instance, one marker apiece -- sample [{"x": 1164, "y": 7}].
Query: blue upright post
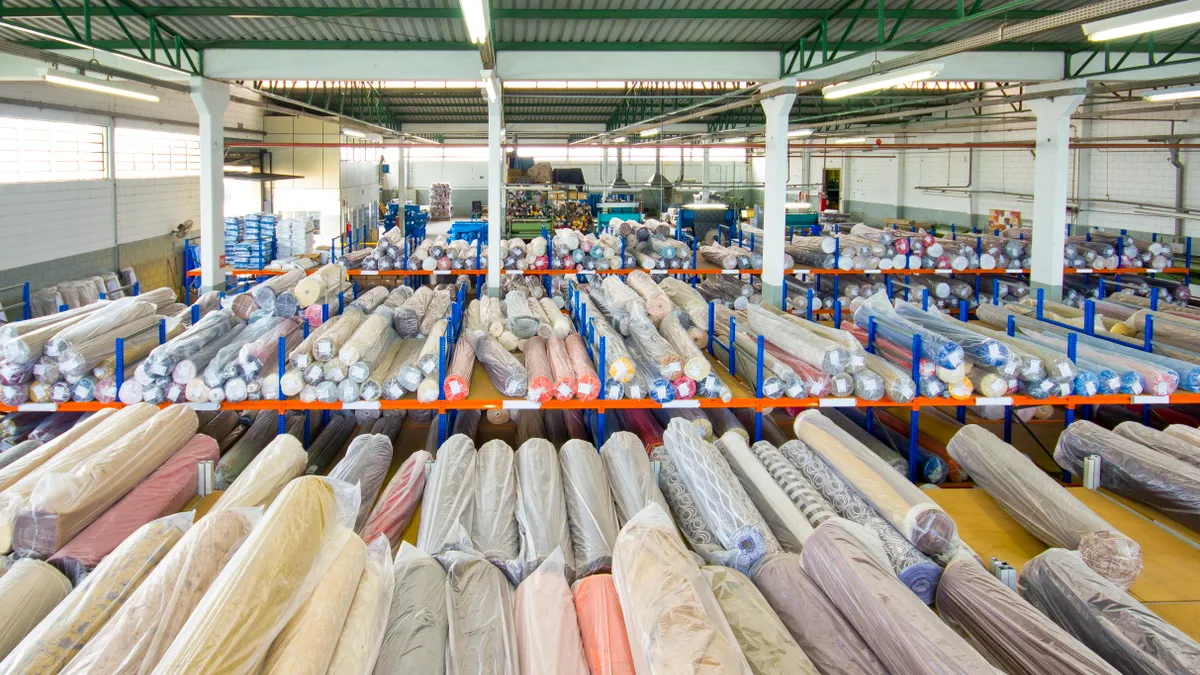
[
  {"x": 711, "y": 326},
  {"x": 195, "y": 314},
  {"x": 282, "y": 356},
  {"x": 732, "y": 345},
  {"x": 914, "y": 415},
  {"x": 26, "y": 309},
  {"x": 119, "y": 350},
  {"x": 837, "y": 314},
  {"x": 162, "y": 331}
]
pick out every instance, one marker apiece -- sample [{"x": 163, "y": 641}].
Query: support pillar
[
  {"x": 497, "y": 176},
  {"x": 776, "y": 109},
  {"x": 604, "y": 180},
  {"x": 704, "y": 182},
  {"x": 401, "y": 180},
  {"x": 211, "y": 98},
  {"x": 1051, "y": 182}
]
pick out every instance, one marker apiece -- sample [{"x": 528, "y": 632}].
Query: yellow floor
[{"x": 1168, "y": 581}]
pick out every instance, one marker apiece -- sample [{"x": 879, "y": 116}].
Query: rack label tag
[
  {"x": 943, "y": 271},
  {"x": 997, "y": 400},
  {"x": 37, "y": 407},
  {"x": 1015, "y": 270},
  {"x": 686, "y": 403},
  {"x": 520, "y": 405},
  {"x": 1151, "y": 399},
  {"x": 837, "y": 402},
  {"x": 369, "y": 273},
  {"x": 202, "y": 405},
  {"x": 733, "y": 272},
  {"x": 361, "y": 405}
]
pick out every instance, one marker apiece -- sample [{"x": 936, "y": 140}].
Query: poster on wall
[{"x": 999, "y": 218}]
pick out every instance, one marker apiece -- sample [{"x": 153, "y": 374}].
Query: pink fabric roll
[
  {"x": 587, "y": 383},
  {"x": 399, "y": 501},
  {"x": 162, "y": 493},
  {"x": 548, "y": 641},
  {"x": 560, "y": 367},
  {"x": 605, "y": 642},
  {"x": 537, "y": 362}
]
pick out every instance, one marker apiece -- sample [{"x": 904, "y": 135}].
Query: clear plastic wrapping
[
  {"x": 280, "y": 461},
  {"x": 695, "y": 365},
  {"x": 1008, "y": 630},
  {"x": 371, "y": 337},
  {"x": 399, "y": 502},
  {"x": 1101, "y": 615},
  {"x": 892, "y": 327},
  {"x": 658, "y": 305},
  {"x": 407, "y": 318},
  {"x": 365, "y": 465},
  {"x": 548, "y": 639},
  {"x": 1134, "y": 470},
  {"x": 457, "y": 385},
  {"x": 537, "y": 362},
  {"x": 1042, "y": 506},
  {"x": 587, "y": 382},
  {"x": 672, "y": 618},
  {"x": 902, "y": 632},
  {"x": 506, "y": 372},
  {"x": 541, "y": 507},
  {"x": 449, "y": 492},
  {"x": 362, "y": 633},
  {"x": 630, "y": 475},
  {"x": 647, "y": 338},
  {"x": 327, "y": 346},
  {"x": 29, "y": 591},
  {"x": 234, "y": 462},
  {"x": 591, "y": 516},
  {"x": 50, "y": 646},
  {"x": 764, "y": 640},
  {"x": 438, "y": 309},
  {"x": 617, "y": 360},
  {"x": 977, "y": 348},
  {"x": 261, "y": 588},
  {"x": 163, "y": 358},
  {"x": 314, "y": 288},
  {"x": 563, "y": 387},
  {"x": 415, "y": 638},
  {"x": 601, "y": 626},
  {"x": 1159, "y": 440},
  {"x": 482, "y": 637},
  {"x": 826, "y": 354},
  {"x": 98, "y": 323},
  {"x": 620, "y": 295},
  {"x": 520, "y": 320},
  {"x": 789, "y": 526},
  {"x": 494, "y": 523},
  {"x": 688, "y": 299}
]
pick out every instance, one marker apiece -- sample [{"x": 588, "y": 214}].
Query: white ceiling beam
[
  {"x": 637, "y": 65},
  {"x": 341, "y": 64},
  {"x": 969, "y": 66}
]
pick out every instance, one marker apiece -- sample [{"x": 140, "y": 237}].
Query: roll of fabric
[
  {"x": 548, "y": 640},
  {"x": 561, "y": 370},
  {"x": 587, "y": 382},
  {"x": 399, "y": 502},
  {"x": 1043, "y": 507},
  {"x": 804, "y": 496},
  {"x": 630, "y": 475},
  {"x": 915, "y": 570},
  {"x": 283, "y": 460},
  {"x": 23, "y": 466},
  {"x": 457, "y": 385},
  {"x": 366, "y": 465},
  {"x": 737, "y": 526},
  {"x": 306, "y": 644},
  {"x": 683, "y": 507},
  {"x": 1133, "y": 470},
  {"x": 1105, "y": 618},
  {"x": 788, "y": 525},
  {"x": 449, "y": 493},
  {"x": 601, "y": 626},
  {"x": 820, "y": 629},
  {"x": 762, "y": 637},
  {"x": 674, "y": 622},
  {"x": 541, "y": 507},
  {"x": 1159, "y": 440},
  {"x": 313, "y": 288},
  {"x": 136, "y": 636},
  {"x": 591, "y": 516},
  {"x": 901, "y": 503},
  {"x": 330, "y": 442},
  {"x": 262, "y": 431},
  {"x": 29, "y": 591},
  {"x": 905, "y": 634},
  {"x": 62, "y": 505},
  {"x": 60, "y": 636},
  {"x": 658, "y": 305},
  {"x": 494, "y": 523},
  {"x": 415, "y": 638},
  {"x": 541, "y": 377},
  {"x": 1008, "y": 630},
  {"x": 1184, "y": 433},
  {"x": 260, "y": 590},
  {"x": 481, "y": 636},
  {"x": 166, "y": 491},
  {"x": 362, "y": 634}
]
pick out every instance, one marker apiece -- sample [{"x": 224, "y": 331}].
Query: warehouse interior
[{"x": 498, "y": 336}]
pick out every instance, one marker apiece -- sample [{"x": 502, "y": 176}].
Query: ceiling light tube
[
  {"x": 84, "y": 45},
  {"x": 649, "y": 132},
  {"x": 850, "y": 139},
  {"x": 620, "y": 139},
  {"x": 919, "y": 73},
  {"x": 1145, "y": 21},
  {"x": 353, "y": 133},
  {"x": 799, "y": 133},
  {"x": 735, "y": 139},
  {"x": 1172, "y": 94},
  {"x": 92, "y": 84},
  {"x": 476, "y": 18}
]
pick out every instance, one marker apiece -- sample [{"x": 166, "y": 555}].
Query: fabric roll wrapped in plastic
[
  {"x": 591, "y": 516},
  {"x": 449, "y": 493},
  {"x": 563, "y": 387},
  {"x": 262, "y": 431},
  {"x": 1006, "y": 629},
  {"x": 50, "y": 646},
  {"x": 649, "y": 557},
  {"x": 506, "y": 372},
  {"x": 541, "y": 507},
  {"x": 163, "y": 358},
  {"x": 1043, "y": 507},
  {"x": 764, "y": 640},
  {"x": 1159, "y": 440},
  {"x": 646, "y": 338},
  {"x": 657, "y": 304},
  {"x": 415, "y": 638},
  {"x": 901, "y": 503},
  {"x": 327, "y": 346},
  {"x": 738, "y": 529},
  {"x": 282, "y": 460},
  {"x": 804, "y": 496},
  {"x": 630, "y": 476},
  {"x": 313, "y": 288},
  {"x": 398, "y": 504},
  {"x": 406, "y": 320},
  {"x": 826, "y": 354},
  {"x": 790, "y": 527},
  {"x": 494, "y": 524},
  {"x": 457, "y": 385},
  {"x": 537, "y": 362},
  {"x": 429, "y": 358},
  {"x": 902, "y": 632},
  {"x": 892, "y": 327},
  {"x": 1105, "y": 618},
  {"x": 365, "y": 465},
  {"x": 301, "y": 357},
  {"x": 587, "y": 382},
  {"x": 520, "y": 320},
  {"x": 29, "y": 590},
  {"x": 1133, "y": 470},
  {"x": 617, "y": 360},
  {"x": 482, "y": 636},
  {"x": 601, "y": 626},
  {"x": 548, "y": 639},
  {"x": 362, "y": 633},
  {"x": 979, "y": 349}
]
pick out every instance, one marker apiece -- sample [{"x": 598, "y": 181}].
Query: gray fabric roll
[
  {"x": 541, "y": 507},
  {"x": 482, "y": 635},
  {"x": 494, "y": 524},
  {"x": 591, "y": 517},
  {"x": 415, "y": 638}
]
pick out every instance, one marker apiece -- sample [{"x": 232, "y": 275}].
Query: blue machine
[{"x": 415, "y": 219}]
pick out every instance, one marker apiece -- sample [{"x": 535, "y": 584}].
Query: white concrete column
[
  {"x": 777, "y": 109},
  {"x": 211, "y": 98},
  {"x": 604, "y": 179},
  {"x": 497, "y": 175},
  {"x": 1050, "y": 186},
  {"x": 401, "y": 180},
  {"x": 704, "y": 181}
]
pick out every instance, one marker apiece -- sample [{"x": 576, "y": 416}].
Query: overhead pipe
[{"x": 993, "y": 145}]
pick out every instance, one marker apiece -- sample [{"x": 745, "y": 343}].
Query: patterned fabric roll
[
  {"x": 683, "y": 507},
  {"x": 811, "y": 504},
  {"x": 915, "y": 570}
]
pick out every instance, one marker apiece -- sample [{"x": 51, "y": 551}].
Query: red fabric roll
[
  {"x": 458, "y": 377},
  {"x": 537, "y": 362},
  {"x": 560, "y": 367},
  {"x": 162, "y": 493},
  {"x": 685, "y": 387},
  {"x": 395, "y": 508},
  {"x": 643, "y": 425},
  {"x": 605, "y": 643},
  {"x": 587, "y": 383}
]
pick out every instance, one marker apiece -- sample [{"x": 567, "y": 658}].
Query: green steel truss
[{"x": 1112, "y": 56}]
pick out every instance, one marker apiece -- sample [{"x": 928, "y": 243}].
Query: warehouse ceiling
[{"x": 804, "y": 34}]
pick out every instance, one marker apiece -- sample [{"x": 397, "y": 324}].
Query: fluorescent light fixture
[
  {"x": 925, "y": 71},
  {"x": 92, "y": 84},
  {"x": 735, "y": 139},
  {"x": 798, "y": 205},
  {"x": 705, "y": 207},
  {"x": 353, "y": 133},
  {"x": 850, "y": 139},
  {"x": 82, "y": 45},
  {"x": 1173, "y": 94},
  {"x": 1145, "y": 21},
  {"x": 620, "y": 139},
  {"x": 476, "y": 18},
  {"x": 247, "y": 16},
  {"x": 799, "y": 133},
  {"x": 649, "y": 132}
]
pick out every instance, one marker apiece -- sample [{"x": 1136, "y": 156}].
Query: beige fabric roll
[
  {"x": 28, "y": 592},
  {"x": 267, "y": 474},
  {"x": 22, "y": 467},
  {"x": 658, "y": 305},
  {"x": 306, "y": 644},
  {"x": 312, "y": 289},
  {"x": 1184, "y": 433},
  {"x": 16, "y": 496},
  {"x": 266, "y": 582},
  {"x": 60, "y": 636},
  {"x": 327, "y": 346},
  {"x": 138, "y": 634},
  {"x": 764, "y": 640},
  {"x": 371, "y": 333},
  {"x": 62, "y": 504},
  {"x": 362, "y": 633}
]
